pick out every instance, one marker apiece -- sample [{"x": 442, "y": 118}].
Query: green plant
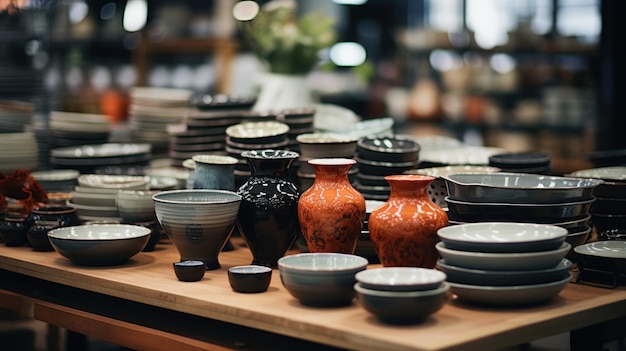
[{"x": 286, "y": 43}]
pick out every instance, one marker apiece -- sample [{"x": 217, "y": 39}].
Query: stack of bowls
[
  {"x": 401, "y": 295},
  {"x": 18, "y": 151},
  {"x": 608, "y": 212},
  {"x": 95, "y": 195},
  {"x": 523, "y": 162},
  {"x": 322, "y": 145},
  {"x": 250, "y": 136},
  {"x": 300, "y": 121},
  {"x": 504, "y": 263},
  {"x": 74, "y": 129},
  {"x": 57, "y": 180},
  {"x": 437, "y": 190},
  {"x": 364, "y": 247},
  {"x": 15, "y": 115},
  {"x": 378, "y": 157},
  {"x": 521, "y": 197},
  {"x": 152, "y": 109}
]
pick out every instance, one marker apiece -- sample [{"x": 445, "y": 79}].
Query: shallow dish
[
  {"x": 503, "y": 261},
  {"x": 402, "y": 307},
  {"x": 400, "y": 278},
  {"x": 502, "y": 237},
  {"x": 462, "y": 275},
  {"x": 546, "y": 213},
  {"x": 114, "y": 181},
  {"x": 316, "y": 145},
  {"x": 509, "y": 295},
  {"x": 99, "y": 244},
  {"x": 519, "y": 188},
  {"x": 258, "y": 132},
  {"x": 108, "y": 150},
  {"x": 321, "y": 279},
  {"x": 607, "y": 248},
  {"x": 458, "y": 155}
]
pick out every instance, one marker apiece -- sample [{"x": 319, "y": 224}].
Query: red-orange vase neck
[
  {"x": 332, "y": 168},
  {"x": 409, "y": 185}
]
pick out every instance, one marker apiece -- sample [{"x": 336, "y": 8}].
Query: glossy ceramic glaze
[
  {"x": 268, "y": 219},
  {"x": 37, "y": 235},
  {"x": 189, "y": 271},
  {"x": 65, "y": 216},
  {"x": 331, "y": 211},
  {"x": 404, "y": 229},
  {"x": 388, "y": 149},
  {"x": 13, "y": 231},
  {"x": 198, "y": 222}
]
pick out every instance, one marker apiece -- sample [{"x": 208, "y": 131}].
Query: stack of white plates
[
  {"x": 151, "y": 110},
  {"x": 57, "y": 180},
  {"x": 94, "y": 196},
  {"x": 73, "y": 129},
  {"x": 15, "y": 115},
  {"x": 110, "y": 158},
  {"x": 504, "y": 263},
  {"x": 18, "y": 150}
]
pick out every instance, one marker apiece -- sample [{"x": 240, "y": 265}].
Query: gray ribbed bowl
[{"x": 198, "y": 222}]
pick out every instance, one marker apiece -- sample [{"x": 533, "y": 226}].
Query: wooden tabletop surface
[{"x": 149, "y": 278}]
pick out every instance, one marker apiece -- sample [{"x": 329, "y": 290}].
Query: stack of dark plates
[
  {"x": 522, "y": 162},
  {"x": 608, "y": 212},
  {"x": 378, "y": 157},
  {"x": 15, "y": 115},
  {"x": 253, "y": 136},
  {"x": 524, "y": 198},
  {"x": 364, "y": 247},
  {"x": 109, "y": 158},
  {"x": 300, "y": 121},
  {"x": 74, "y": 129}
]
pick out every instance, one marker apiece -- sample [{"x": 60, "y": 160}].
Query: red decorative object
[
  {"x": 23, "y": 187},
  {"x": 331, "y": 211},
  {"x": 404, "y": 229}
]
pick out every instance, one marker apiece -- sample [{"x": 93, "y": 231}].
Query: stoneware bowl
[
  {"x": 319, "y": 145},
  {"x": 189, "y": 270},
  {"x": 250, "y": 278},
  {"x": 321, "y": 279},
  {"x": 400, "y": 278},
  {"x": 198, "y": 222},
  {"x": 99, "y": 244},
  {"x": 402, "y": 307}
]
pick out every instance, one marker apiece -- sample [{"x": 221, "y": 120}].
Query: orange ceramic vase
[
  {"x": 331, "y": 211},
  {"x": 404, "y": 229}
]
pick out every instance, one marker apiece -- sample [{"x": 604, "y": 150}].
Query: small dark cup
[
  {"x": 249, "y": 279},
  {"x": 189, "y": 270},
  {"x": 37, "y": 235},
  {"x": 13, "y": 230}
]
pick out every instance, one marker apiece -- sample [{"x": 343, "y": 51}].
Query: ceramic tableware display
[
  {"x": 331, "y": 211},
  {"x": 198, "y": 222},
  {"x": 18, "y": 151},
  {"x": 268, "y": 216},
  {"x": 13, "y": 230},
  {"x": 107, "y": 158},
  {"x": 404, "y": 229},
  {"x": 189, "y": 270},
  {"x": 249, "y": 279},
  {"x": 214, "y": 172},
  {"x": 136, "y": 205},
  {"x": 523, "y": 162}
]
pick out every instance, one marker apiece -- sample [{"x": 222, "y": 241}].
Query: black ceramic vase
[{"x": 268, "y": 215}]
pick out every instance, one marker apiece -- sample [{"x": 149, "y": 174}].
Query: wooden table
[{"x": 141, "y": 305}]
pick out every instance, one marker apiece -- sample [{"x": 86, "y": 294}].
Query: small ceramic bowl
[
  {"x": 400, "y": 278},
  {"x": 189, "y": 270},
  {"x": 321, "y": 279},
  {"x": 402, "y": 307},
  {"x": 250, "y": 278},
  {"x": 389, "y": 149}
]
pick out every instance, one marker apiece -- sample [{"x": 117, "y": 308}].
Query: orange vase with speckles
[
  {"x": 404, "y": 229},
  {"x": 331, "y": 211}
]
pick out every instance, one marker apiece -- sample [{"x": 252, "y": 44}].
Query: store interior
[{"x": 521, "y": 75}]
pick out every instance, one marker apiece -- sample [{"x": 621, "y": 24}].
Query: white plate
[
  {"x": 93, "y": 199},
  {"x": 462, "y": 155},
  {"x": 369, "y": 128},
  {"x": 608, "y": 249},
  {"x": 56, "y": 175},
  {"x": 251, "y": 130},
  {"x": 509, "y": 295},
  {"x": 94, "y": 211},
  {"x": 524, "y": 261},
  {"x": 503, "y": 237},
  {"x": 400, "y": 278},
  {"x": 113, "y": 181}
]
